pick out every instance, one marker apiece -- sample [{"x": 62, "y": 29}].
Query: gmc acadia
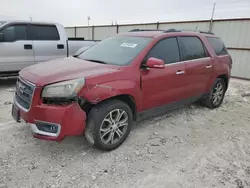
[{"x": 103, "y": 90}]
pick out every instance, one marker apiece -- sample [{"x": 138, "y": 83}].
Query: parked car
[
  {"x": 123, "y": 78},
  {"x": 25, "y": 43}
]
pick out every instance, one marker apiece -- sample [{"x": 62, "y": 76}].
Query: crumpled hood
[{"x": 64, "y": 69}]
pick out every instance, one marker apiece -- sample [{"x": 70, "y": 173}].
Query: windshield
[{"x": 116, "y": 50}]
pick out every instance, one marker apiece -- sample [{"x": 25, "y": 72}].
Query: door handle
[
  {"x": 60, "y": 46},
  {"x": 28, "y": 47},
  {"x": 209, "y": 66},
  {"x": 180, "y": 72}
]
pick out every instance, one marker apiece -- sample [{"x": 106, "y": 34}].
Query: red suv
[{"x": 102, "y": 91}]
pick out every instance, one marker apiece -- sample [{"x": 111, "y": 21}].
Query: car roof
[
  {"x": 26, "y": 21},
  {"x": 160, "y": 33}
]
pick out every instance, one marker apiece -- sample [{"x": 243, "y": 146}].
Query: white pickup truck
[{"x": 25, "y": 43}]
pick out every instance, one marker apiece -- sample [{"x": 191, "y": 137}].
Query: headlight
[{"x": 63, "y": 89}]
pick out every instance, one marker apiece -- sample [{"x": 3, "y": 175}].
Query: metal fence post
[
  {"x": 117, "y": 28},
  {"x": 75, "y": 31},
  {"x": 93, "y": 32},
  {"x": 157, "y": 25},
  {"x": 211, "y": 21}
]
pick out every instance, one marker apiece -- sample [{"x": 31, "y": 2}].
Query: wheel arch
[
  {"x": 225, "y": 78},
  {"x": 126, "y": 98}
]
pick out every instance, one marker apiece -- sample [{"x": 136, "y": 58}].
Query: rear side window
[
  {"x": 166, "y": 50},
  {"x": 193, "y": 48},
  {"x": 15, "y": 33},
  {"x": 217, "y": 45},
  {"x": 44, "y": 32}
]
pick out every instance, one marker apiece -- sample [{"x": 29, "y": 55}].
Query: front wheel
[
  {"x": 109, "y": 124},
  {"x": 216, "y": 94}
]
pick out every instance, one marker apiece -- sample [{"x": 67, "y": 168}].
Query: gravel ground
[{"x": 186, "y": 148}]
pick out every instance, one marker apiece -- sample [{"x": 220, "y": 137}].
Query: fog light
[{"x": 46, "y": 127}]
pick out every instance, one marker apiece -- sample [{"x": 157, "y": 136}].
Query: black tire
[
  {"x": 208, "y": 100},
  {"x": 96, "y": 118}
]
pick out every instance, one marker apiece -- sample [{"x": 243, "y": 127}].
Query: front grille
[{"x": 24, "y": 93}]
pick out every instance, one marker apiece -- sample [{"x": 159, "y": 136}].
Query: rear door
[
  {"x": 47, "y": 42},
  {"x": 164, "y": 86},
  {"x": 222, "y": 56},
  {"x": 16, "y": 51},
  {"x": 199, "y": 65}
]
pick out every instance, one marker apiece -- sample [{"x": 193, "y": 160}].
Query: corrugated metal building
[{"x": 234, "y": 32}]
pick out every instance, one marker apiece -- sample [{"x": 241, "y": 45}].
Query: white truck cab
[{"x": 24, "y": 43}]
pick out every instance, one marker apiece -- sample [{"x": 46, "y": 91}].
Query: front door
[
  {"x": 16, "y": 51},
  {"x": 48, "y": 43},
  {"x": 164, "y": 86}
]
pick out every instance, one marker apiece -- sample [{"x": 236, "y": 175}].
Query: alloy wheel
[
  {"x": 218, "y": 93},
  {"x": 114, "y": 126}
]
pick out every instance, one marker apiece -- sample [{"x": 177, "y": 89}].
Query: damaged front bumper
[{"x": 51, "y": 122}]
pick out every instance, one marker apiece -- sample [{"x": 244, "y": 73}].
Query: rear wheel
[
  {"x": 216, "y": 94},
  {"x": 109, "y": 124}
]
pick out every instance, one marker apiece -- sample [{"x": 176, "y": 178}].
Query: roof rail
[
  {"x": 183, "y": 30},
  {"x": 172, "y": 30},
  {"x": 138, "y": 30}
]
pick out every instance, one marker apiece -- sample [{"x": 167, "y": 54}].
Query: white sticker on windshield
[{"x": 128, "y": 45}]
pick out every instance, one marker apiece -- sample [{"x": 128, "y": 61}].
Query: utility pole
[
  {"x": 212, "y": 17},
  {"x": 88, "y": 18}
]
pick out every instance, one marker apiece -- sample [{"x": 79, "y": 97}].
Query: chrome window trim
[{"x": 188, "y": 61}]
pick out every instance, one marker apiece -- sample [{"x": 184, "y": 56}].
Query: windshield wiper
[{"x": 96, "y": 61}]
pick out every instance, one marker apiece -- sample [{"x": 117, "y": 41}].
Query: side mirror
[
  {"x": 1, "y": 37},
  {"x": 155, "y": 63}
]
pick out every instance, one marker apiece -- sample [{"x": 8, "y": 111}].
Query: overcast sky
[{"x": 75, "y": 12}]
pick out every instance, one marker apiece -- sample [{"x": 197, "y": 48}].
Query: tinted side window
[
  {"x": 14, "y": 33},
  {"x": 44, "y": 32},
  {"x": 167, "y": 50},
  {"x": 217, "y": 45},
  {"x": 192, "y": 48}
]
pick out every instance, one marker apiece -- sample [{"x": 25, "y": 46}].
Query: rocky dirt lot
[{"x": 186, "y": 148}]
